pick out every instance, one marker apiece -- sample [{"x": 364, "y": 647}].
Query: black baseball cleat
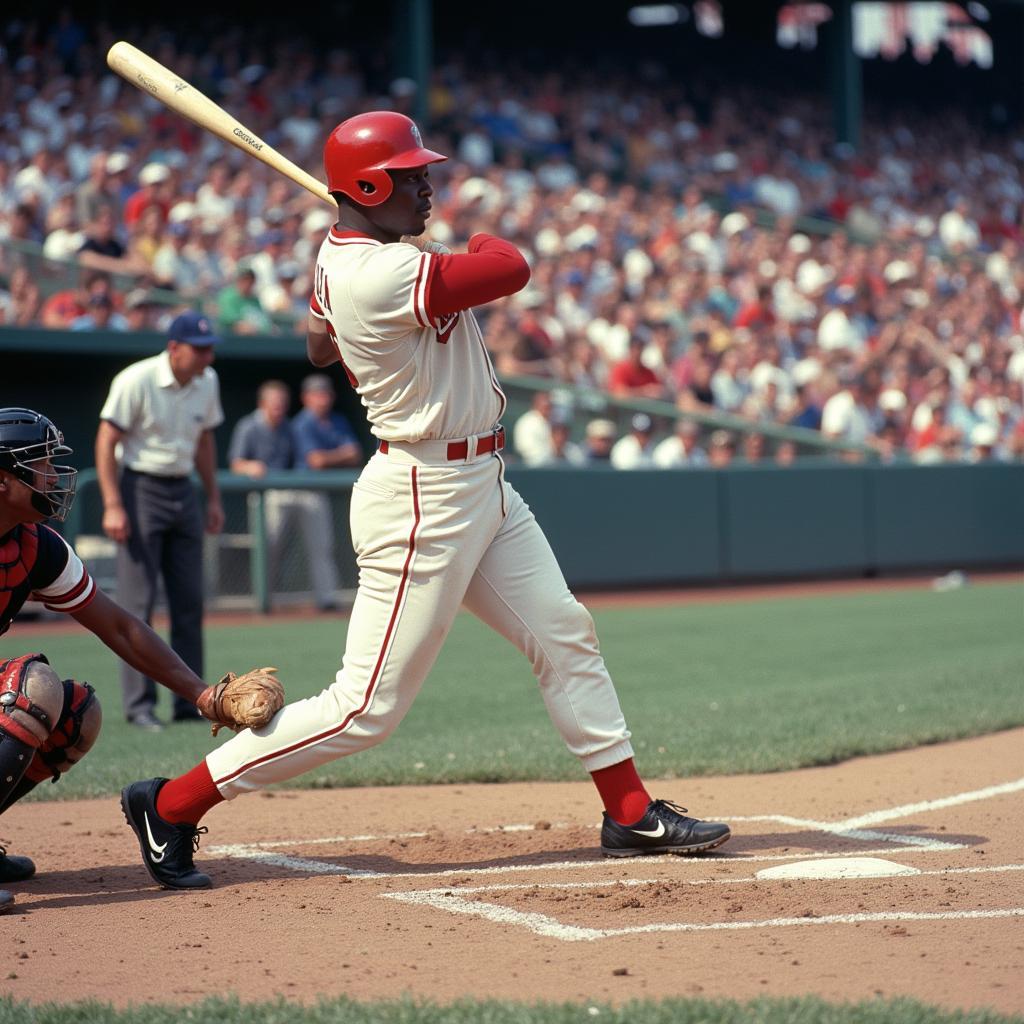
[
  {"x": 663, "y": 829},
  {"x": 15, "y": 869},
  {"x": 6, "y": 901},
  {"x": 166, "y": 849}
]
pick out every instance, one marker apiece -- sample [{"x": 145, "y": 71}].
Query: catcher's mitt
[{"x": 241, "y": 702}]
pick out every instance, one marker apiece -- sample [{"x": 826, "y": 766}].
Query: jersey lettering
[
  {"x": 321, "y": 290},
  {"x": 445, "y": 325}
]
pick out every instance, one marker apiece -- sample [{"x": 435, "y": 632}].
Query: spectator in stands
[
  {"x": 837, "y": 331},
  {"x": 264, "y": 442},
  {"x": 101, "y": 316},
  {"x": 62, "y": 308},
  {"x": 101, "y": 249},
  {"x": 153, "y": 192},
  {"x": 139, "y": 310},
  {"x": 324, "y": 439},
  {"x": 957, "y": 230},
  {"x": 113, "y": 190},
  {"x": 805, "y": 412},
  {"x": 24, "y": 225},
  {"x": 92, "y": 193},
  {"x": 238, "y": 309},
  {"x": 983, "y": 439},
  {"x": 63, "y": 238},
  {"x": 564, "y": 451},
  {"x": 145, "y": 241},
  {"x": 636, "y": 449},
  {"x": 852, "y": 414},
  {"x": 630, "y": 378},
  {"x": 753, "y": 447},
  {"x": 599, "y": 440},
  {"x": 721, "y": 447},
  {"x": 681, "y": 449},
  {"x": 279, "y": 298},
  {"x": 531, "y": 435},
  {"x": 526, "y": 349},
  {"x": 21, "y": 304},
  {"x": 174, "y": 266},
  {"x": 785, "y": 453}
]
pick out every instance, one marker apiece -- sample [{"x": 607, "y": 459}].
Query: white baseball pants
[{"x": 430, "y": 536}]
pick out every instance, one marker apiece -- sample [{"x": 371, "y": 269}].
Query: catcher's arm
[{"x": 134, "y": 642}]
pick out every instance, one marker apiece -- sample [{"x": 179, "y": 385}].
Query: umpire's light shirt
[{"x": 161, "y": 419}]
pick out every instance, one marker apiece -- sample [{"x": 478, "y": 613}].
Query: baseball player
[
  {"x": 47, "y": 725},
  {"x": 435, "y": 525}
]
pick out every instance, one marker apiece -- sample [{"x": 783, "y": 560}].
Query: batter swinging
[{"x": 435, "y": 525}]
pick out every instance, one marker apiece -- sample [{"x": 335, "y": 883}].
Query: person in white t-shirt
[
  {"x": 681, "y": 449},
  {"x": 636, "y": 449}
]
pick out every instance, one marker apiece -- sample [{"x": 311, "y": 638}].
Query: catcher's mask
[{"x": 29, "y": 442}]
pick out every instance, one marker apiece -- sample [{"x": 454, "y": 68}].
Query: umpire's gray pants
[{"x": 166, "y": 540}]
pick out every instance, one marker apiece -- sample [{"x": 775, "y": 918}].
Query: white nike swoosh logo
[
  {"x": 659, "y": 831},
  {"x": 157, "y": 849}
]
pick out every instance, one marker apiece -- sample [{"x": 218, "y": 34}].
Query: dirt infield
[{"x": 498, "y": 891}]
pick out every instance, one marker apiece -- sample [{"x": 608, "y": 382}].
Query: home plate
[{"x": 839, "y": 867}]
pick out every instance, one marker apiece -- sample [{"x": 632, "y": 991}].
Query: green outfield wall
[{"x": 661, "y": 527}]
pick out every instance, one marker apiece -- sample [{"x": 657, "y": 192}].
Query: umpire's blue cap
[{"x": 192, "y": 328}]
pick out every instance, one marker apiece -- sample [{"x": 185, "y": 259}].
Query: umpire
[{"x": 157, "y": 425}]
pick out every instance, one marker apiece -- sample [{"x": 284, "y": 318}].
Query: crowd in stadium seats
[{"x": 663, "y": 227}]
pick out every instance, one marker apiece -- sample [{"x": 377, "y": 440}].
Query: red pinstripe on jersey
[
  {"x": 385, "y": 646},
  {"x": 419, "y": 291}
]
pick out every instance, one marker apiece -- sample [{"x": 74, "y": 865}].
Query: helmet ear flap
[{"x": 375, "y": 186}]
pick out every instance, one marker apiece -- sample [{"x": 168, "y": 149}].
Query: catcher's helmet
[
  {"x": 28, "y": 437},
  {"x": 360, "y": 152}
]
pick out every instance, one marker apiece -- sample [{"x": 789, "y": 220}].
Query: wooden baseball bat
[{"x": 144, "y": 73}]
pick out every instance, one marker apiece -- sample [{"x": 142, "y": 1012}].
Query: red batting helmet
[{"x": 361, "y": 150}]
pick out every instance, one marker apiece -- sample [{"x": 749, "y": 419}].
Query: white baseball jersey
[{"x": 420, "y": 377}]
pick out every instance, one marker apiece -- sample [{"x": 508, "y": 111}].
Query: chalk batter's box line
[
  {"x": 455, "y": 902},
  {"x": 850, "y": 828}
]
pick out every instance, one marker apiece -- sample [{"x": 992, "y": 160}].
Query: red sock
[
  {"x": 624, "y": 796},
  {"x": 188, "y": 797}
]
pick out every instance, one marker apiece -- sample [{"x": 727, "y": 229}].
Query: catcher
[{"x": 48, "y": 724}]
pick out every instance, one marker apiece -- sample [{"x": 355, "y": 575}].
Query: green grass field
[
  {"x": 669, "y": 1011},
  {"x": 759, "y": 685}
]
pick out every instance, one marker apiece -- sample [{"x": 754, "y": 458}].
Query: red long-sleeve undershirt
[{"x": 491, "y": 269}]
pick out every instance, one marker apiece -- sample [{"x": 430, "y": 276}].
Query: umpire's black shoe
[
  {"x": 166, "y": 849},
  {"x": 663, "y": 829},
  {"x": 6, "y": 901},
  {"x": 15, "y": 869}
]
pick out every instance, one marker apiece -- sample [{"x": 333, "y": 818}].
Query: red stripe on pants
[{"x": 367, "y": 697}]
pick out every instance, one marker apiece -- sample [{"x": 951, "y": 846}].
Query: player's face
[
  {"x": 406, "y": 210},
  {"x": 16, "y": 496},
  {"x": 188, "y": 361}
]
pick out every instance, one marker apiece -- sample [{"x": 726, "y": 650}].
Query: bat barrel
[{"x": 140, "y": 70}]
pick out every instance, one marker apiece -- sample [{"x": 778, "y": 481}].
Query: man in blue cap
[{"x": 156, "y": 426}]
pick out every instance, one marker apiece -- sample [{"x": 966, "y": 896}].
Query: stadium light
[{"x": 657, "y": 15}]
